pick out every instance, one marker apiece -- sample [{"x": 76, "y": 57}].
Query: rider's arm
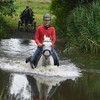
[
  {"x": 53, "y": 36},
  {"x": 37, "y": 38},
  {"x": 39, "y": 44}
]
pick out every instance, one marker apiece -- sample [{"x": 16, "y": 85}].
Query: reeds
[{"x": 83, "y": 28}]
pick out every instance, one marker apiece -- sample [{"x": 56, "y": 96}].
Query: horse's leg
[{"x": 51, "y": 60}]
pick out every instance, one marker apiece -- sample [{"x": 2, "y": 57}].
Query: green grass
[{"x": 38, "y": 6}]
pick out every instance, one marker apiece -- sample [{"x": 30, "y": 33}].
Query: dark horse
[{"x": 27, "y": 16}]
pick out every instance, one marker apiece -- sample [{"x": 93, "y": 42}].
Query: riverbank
[{"x": 22, "y": 34}]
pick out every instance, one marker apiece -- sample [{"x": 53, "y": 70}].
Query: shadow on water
[{"x": 68, "y": 82}]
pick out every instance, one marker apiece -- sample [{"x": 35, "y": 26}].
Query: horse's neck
[{"x": 43, "y": 62}]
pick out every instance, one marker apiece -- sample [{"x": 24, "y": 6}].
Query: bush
[
  {"x": 78, "y": 22},
  {"x": 83, "y": 28},
  {"x": 4, "y": 28}
]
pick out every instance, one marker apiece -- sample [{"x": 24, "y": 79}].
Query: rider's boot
[
  {"x": 28, "y": 59},
  {"x": 56, "y": 61}
]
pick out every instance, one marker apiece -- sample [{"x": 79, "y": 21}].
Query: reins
[{"x": 45, "y": 51}]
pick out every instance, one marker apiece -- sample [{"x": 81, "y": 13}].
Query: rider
[
  {"x": 49, "y": 31},
  {"x": 23, "y": 14},
  {"x": 27, "y": 14}
]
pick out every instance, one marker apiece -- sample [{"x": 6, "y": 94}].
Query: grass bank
[{"x": 39, "y": 7}]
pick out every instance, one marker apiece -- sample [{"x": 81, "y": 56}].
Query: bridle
[
  {"x": 50, "y": 53},
  {"x": 46, "y": 50}
]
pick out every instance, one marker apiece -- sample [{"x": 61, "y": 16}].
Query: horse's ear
[{"x": 44, "y": 37}]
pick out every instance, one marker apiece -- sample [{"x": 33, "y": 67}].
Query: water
[{"x": 69, "y": 81}]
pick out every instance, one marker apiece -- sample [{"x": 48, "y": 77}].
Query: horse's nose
[{"x": 46, "y": 53}]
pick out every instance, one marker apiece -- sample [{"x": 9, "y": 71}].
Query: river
[{"x": 77, "y": 77}]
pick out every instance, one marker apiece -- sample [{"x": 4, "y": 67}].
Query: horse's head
[{"x": 47, "y": 44}]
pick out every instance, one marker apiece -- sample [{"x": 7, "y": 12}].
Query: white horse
[{"x": 46, "y": 56}]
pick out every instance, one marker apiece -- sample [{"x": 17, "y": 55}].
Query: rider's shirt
[{"x": 41, "y": 31}]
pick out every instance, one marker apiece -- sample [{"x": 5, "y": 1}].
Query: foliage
[
  {"x": 83, "y": 28},
  {"x": 6, "y": 8},
  {"x": 61, "y": 9},
  {"x": 4, "y": 28},
  {"x": 79, "y": 25}
]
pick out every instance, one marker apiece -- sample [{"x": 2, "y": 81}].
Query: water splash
[
  {"x": 69, "y": 70},
  {"x": 13, "y": 60}
]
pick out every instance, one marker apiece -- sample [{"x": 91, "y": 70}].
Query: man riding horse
[
  {"x": 44, "y": 30},
  {"x": 27, "y": 16}
]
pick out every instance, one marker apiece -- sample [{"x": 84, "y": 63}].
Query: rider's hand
[{"x": 39, "y": 45}]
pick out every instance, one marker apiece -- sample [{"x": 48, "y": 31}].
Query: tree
[
  {"x": 62, "y": 8},
  {"x": 6, "y": 7},
  {"x": 77, "y": 22}
]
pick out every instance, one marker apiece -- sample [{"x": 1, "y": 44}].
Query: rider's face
[{"x": 46, "y": 23}]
